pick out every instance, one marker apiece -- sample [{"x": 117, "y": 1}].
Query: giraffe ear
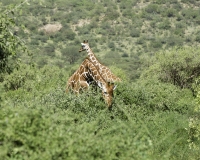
[
  {"x": 114, "y": 87},
  {"x": 87, "y": 41}
]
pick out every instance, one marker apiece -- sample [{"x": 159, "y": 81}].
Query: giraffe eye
[{"x": 105, "y": 93}]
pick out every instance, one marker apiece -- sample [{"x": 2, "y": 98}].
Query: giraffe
[
  {"x": 104, "y": 71},
  {"x": 86, "y": 74}
]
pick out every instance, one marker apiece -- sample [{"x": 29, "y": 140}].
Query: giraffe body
[
  {"x": 86, "y": 74},
  {"x": 103, "y": 70}
]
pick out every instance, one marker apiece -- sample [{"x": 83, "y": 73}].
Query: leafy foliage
[
  {"x": 156, "y": 96},
  {"x": 10, "y": 44},
  {"x": 177, "y": 66},
  {"x": 146, "y": 116},
  {"x": 153, "y": 116},
  {"x": 194, "y": 121}
]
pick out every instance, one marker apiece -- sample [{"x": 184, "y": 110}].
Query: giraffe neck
[
  {"x": 104, "y": 71},
  {"x": 92, "y": 57},
  {"x": 96, "y": 76}
]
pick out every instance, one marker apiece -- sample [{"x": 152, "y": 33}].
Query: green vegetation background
[{"x": 152, "y": 45}]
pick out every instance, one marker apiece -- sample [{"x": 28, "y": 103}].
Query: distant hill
[{"x": 120, "y": 32}]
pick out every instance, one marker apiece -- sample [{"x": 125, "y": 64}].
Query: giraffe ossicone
[{"x": 85, "y": 75}]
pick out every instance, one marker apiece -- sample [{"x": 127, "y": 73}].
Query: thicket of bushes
[{"x": 149, "y": 118}]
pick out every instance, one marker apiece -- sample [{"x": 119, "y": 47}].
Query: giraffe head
[
  {"x": 84, "y": 46},
  {"x": 107, "y": 92}
]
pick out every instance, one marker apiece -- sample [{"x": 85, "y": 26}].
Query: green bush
[
  {"x": 67, "y": 33},
  {"x": 128, "y": 13},
  {"x": 174, "y": 41},
  {"x": 112, "y": 56},
  {"x": 188, "y": 1},
  {"x": 111, "y": 45},
  {"x": 71, "y": 54},
  {"x": 161, "y": 1},
  {"x": 197, "y": 37},
  {"x": 164, "y": 25},
  {"x": 112, "y": 14},
  {"x": 70, "y": 137},
  {"x": 194, "y": 121},
  {"x": 10, "y": 44},
  {"x": 179, "y": 31},
  {"x": 23, "y": 77},
  {"x": 140, "y": 40},
  {"x": 156, "y": 96},
  {"x": 84, "y": 30},
  {"x": 179, "y": 66},
  {"x": 170, "y": 12},
  {"x": 47, "y": 123},
  {"x": 156, "y": 44},
  {"x": 50, "y": 49},
  {"x": 135, "y": 33},
  {"x": 152, "y": 8},
  {"x": 19, "y": 78},
  {"x": 190, "y": 13}
]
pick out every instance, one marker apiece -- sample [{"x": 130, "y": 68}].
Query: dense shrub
[
  {"x": 135, "y": 33},
  {"x": 177, "y": 66},
  {"x": 161, "y": 1},
  {"x": 23, "y": 77},
  {"x": 50, "y": 49},
  {"x": 69, "y": 136},
  {"x": 156, "y": 44},
  {"x": 152, "y": 8},
  {"x": 165, "y": 25},
  {"x": 156, "y": 96},
  {"x": 111, "y": 45},
  {"x": 194, "y": 121},
  {"x": 45, "y": 122},
  {"x": 19, "y": 78},
  {"x": 71, "y": 54},
  {"x": 112, "y": 14},
  {"x": 84, "y": 30},
  {"x": 170, "y": 12},
  {"x": 190, "y": 13},
  {"x": 128, "y": 13},
  {"x": 198, "y": 37},
  {"x": 67, "y": 34},
  {"x": 10, "y": 44},
  {"x": 174, "y": 41}
]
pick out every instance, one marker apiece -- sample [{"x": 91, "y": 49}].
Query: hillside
[{"x": 119, "y": 32}]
